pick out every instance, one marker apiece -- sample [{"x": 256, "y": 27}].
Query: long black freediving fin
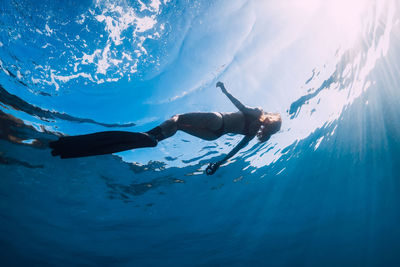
[{"x": 99, "y": 143}]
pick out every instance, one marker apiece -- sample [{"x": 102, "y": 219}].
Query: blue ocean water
[{"x": 324, "y": 191}]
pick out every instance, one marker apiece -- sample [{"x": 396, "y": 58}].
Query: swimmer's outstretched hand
[
  {"x": 212, "y": 168},
  {"x": 222, "y": 86}
]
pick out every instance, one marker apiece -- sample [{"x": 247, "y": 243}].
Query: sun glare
[{"x": 345, "y": 17}]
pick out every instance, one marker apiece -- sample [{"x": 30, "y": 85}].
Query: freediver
[{"x": 248, "y": 121}]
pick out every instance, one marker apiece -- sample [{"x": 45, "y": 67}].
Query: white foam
[{"x": 108, "y": 58}]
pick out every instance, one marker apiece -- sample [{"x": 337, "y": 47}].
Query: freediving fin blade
[{"x": 99, "y": 143}]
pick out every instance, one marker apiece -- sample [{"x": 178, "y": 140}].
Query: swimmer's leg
[
  {"x": 199, "y": 124},
  {"x": 201, "y": 120},
  {"x": 166, "y": 129}
]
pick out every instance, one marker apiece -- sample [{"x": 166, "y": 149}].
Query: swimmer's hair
[{"x": 274, "y": 120}]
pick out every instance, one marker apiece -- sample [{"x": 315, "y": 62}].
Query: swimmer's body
[{"x": 248, "y": 121}]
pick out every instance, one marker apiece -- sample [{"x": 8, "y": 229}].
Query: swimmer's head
[{"x": 270, "y": 124}]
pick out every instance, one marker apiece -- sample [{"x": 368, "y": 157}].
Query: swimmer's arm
[
  {"x": 213, "y": 167},
  {"x": 236, "y": 102},
  {"x": 238, "y": 147},
  {"x": 247, "y": 110}
]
